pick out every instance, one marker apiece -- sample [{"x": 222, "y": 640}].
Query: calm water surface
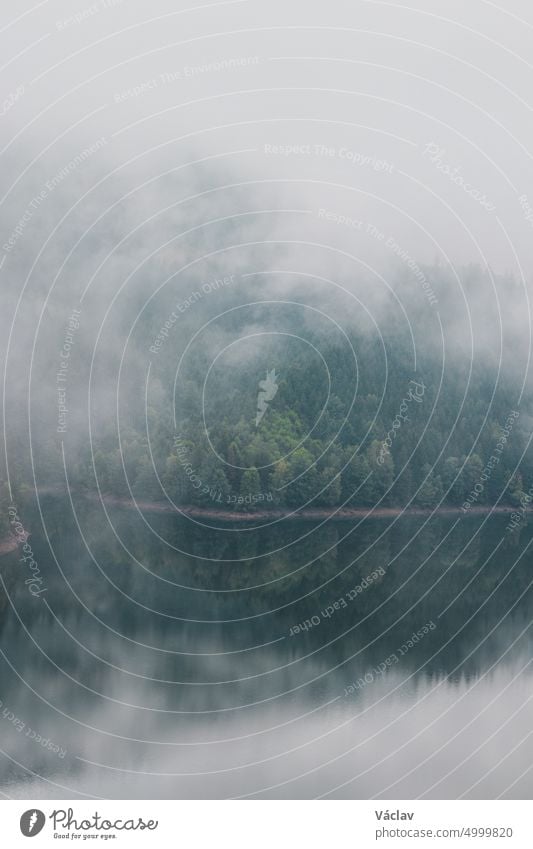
[{"x": 167, "y": 659}]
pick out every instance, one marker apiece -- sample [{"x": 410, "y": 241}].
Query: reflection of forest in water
[
  {"x": 137, "y": 584},
  {"x": 183, "y": 650}
]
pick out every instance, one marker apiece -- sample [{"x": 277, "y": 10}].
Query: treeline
[
  {"x": 419, "y": 443},
  {"x": 351, "y": 418}
]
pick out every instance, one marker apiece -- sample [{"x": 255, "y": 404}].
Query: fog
[
  {"x": 349, "y": 147},
  {"x": 432, "y": 739},
  {"x": 362, "y": 90},
  {"x": 194, "y": 196}
]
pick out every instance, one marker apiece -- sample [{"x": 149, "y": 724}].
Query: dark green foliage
[{"x": 337, "y": 431}]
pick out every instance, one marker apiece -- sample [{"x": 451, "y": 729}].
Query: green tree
[{"x": 250, "y": 487}]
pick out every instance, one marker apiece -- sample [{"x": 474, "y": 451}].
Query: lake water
[{"x": 166, "y": 659}]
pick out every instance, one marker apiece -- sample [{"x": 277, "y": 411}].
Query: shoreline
[
  {"x": 11, "y": 542},
  {"x": 308, "y": 513}
]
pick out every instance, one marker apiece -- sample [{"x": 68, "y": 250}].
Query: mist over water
[
  {"x": 177, "y": 689},
  {"x": 265, "y": 336}
]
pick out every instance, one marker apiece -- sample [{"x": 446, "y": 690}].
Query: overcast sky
[
  {"x": 413, "y": 120},
  {"x": 147, "y": 148}
]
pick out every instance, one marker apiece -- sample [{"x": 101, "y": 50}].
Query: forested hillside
[{"x": 264, "y": 404}]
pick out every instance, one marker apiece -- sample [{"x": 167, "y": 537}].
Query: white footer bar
[{"x": 268, "y": 824}]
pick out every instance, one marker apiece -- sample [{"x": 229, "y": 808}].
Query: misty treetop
[{"x": 293, "y": 402}]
